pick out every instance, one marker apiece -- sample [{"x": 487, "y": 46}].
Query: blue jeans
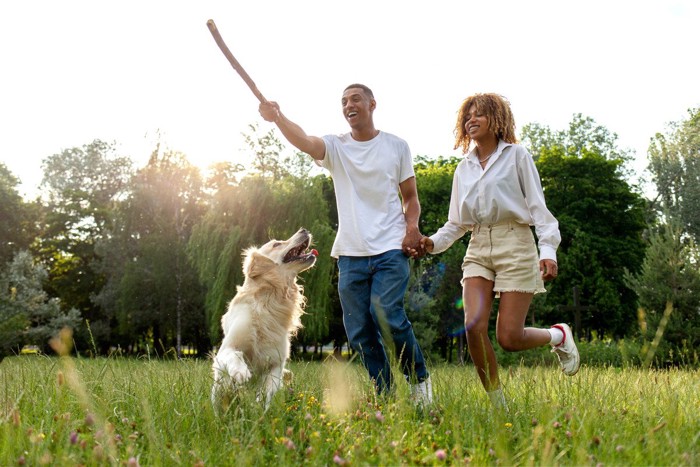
[{"x": 371, "y": 290}]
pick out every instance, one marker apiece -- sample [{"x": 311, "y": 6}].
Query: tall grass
[{"x": 66, "y": 411}]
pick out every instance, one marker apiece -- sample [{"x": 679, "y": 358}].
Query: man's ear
[{"x": 257, "y": 264}]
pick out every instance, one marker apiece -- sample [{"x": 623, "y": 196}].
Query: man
[{"x": 375, "y": 227}]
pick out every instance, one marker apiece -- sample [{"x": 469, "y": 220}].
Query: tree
[
  {"x": 601, "y": 219},
  {"x": 669, "y": 275},
  {"x": 152, "y": 289},
  {"x": 17, "y": 229},
  {"x": 674, "y": 161},
  {"x": 27, "y": 314},
  {"x": 582, "y": 136},
  {"x": 274, "y": 200},
  {"x": 80, "y": 188}
]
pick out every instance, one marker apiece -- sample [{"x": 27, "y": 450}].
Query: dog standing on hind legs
[{"x": 262, "y": 318}]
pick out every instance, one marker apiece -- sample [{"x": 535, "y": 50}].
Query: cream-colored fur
[{"x": 261, "y": 318}]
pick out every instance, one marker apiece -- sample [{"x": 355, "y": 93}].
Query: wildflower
[
  {"x": 440, "y": 454},
  {"x": 508, "y": 425},
  {"x": 132, "y": 462},
  {"x": 619, "y": 448},
  {"x": 289, "y": 444},
  {"x": 378, "y": 415},
  {"x": 569, "y": 434},
  {"x": 339, "y": 460},
  {"x": 556, "y": 425},
  {"x": 534, "y": 422},
  {"x": 89, "y": 419},
  {"x": 73, "y": 437},
  {"x": 308, "y": 416}
]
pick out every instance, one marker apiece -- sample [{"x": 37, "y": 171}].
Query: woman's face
[{"x": 476, "y": 124}]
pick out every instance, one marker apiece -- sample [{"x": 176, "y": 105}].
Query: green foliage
[
  {"x": 249, "y": 214},
  {"x": 274, "y": 200},
  {"x": 80, "y": 188},
  {"x": 17, "y": 229},
  {"x": 601, "y": 219},
  {"x": 27, "y": 314},
  {"x": 583, "y": 136},
  {"x": 674, "y": 161},
  {"x": 435, "y": 290},
  {"x": 153, "y": 290},
  {"x": 669, "y": 274}
]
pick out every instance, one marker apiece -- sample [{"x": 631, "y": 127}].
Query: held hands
[
  {"x": 424, "y": 245},
  {"x": 548, "y": 269},
  {"x": 270, "y": 111}
]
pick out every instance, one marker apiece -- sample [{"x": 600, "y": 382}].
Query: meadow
[{"x": 157, "y": 412}]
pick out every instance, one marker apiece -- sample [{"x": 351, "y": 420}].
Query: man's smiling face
[{"x": 357, "y": 107}]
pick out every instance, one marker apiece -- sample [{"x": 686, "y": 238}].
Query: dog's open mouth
[{"x": 299, "y": 253}]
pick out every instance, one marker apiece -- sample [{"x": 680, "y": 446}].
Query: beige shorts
[{"x": 506, "y": 254}]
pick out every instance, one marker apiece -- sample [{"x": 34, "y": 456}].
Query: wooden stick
[{"x": 232, "y": 60}]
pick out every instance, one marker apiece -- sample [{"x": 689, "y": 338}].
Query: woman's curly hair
[{"x": 496, "y": 108}]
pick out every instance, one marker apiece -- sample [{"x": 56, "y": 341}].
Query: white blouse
[{"x": 508, "y": 189}]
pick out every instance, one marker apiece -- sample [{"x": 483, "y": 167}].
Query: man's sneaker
[
  {"x": 567, "y": 351},
  {"x": 422, "y": 393}
]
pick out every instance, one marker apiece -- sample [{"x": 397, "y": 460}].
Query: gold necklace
[{"x": 488, "y": 157}]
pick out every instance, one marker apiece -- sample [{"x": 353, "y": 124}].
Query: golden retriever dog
[{"x": 262, "y": 318}]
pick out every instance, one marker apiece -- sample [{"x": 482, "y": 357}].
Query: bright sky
[{"x": 127, "y": 71}]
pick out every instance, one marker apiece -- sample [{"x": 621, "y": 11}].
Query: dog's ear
[{"x": 257, "y": 264}]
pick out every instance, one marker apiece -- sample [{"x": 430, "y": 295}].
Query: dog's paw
[
  {"x": 240, "y": 375},
  {"x": 231, "y": 364}
]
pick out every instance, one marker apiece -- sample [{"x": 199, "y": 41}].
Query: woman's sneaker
[{"x": 567, "y": 351}]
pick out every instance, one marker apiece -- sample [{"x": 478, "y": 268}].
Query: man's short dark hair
[{"x": 367, "y": 90}]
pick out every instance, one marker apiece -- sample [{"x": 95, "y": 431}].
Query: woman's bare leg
[
  {"x": 478, "y": 299},
  {"x": 511, "y": 333}
]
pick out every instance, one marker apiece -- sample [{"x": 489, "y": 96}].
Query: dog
[{"x": 261, "y": 319}]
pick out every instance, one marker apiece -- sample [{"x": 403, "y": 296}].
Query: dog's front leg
[{"x": 272, "y": 384}]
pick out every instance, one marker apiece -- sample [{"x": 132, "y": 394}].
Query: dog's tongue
[{"x": 314, "y": 252}]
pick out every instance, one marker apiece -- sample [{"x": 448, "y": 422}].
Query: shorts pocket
[{"x": 522, "y": 236}]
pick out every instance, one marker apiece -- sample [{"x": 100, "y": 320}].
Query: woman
[{"x": 497, "y": 195}]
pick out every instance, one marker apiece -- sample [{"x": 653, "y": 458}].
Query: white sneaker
[
  {"x": 567, "y": 351},
  {"x": 498, "y": 400},
  {"x": 422, "y": 393}
]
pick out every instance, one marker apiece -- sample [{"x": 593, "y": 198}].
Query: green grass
[{"x": 66, "y": 411}]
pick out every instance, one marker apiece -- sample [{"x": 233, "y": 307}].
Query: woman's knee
[{"x": 509, "y": 340}]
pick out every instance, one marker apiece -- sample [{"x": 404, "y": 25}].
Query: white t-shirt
[
  {"x": 509, "y": 189},
  {"x": 366, "y": 177}
]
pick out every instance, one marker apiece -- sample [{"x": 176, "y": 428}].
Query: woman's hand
[
  {"x": 548, "y": 269},
  {"x": 425, "y": 245}
]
